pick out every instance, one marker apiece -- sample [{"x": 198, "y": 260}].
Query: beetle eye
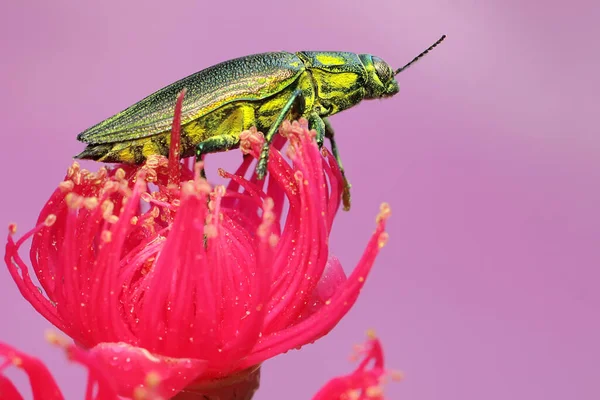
[{"x": 384, "y": 71}]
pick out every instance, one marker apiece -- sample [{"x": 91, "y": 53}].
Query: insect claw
[{"x": 346, "y": 198}]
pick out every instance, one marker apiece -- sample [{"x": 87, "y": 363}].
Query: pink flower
[
  {"x": 365, "y": 382},
  {"x": 152, "y": 267}
]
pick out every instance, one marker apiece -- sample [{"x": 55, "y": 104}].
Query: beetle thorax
[
  {"x": 338, "y": 79},
  {"x": 337, "y": 91}
]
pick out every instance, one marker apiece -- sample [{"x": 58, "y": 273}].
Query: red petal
[
  {"x": 130, "y": 366},
  {"x": 332, "y": 280},
  {"x": 43, "y": 385},
  {"x": 174, "y": 149},
  {"x": 327, "y": 317},
  {"x": 8, "y": 391},
  {"x": 361, "y": 384},
  {"x": 333, "y": 277}
]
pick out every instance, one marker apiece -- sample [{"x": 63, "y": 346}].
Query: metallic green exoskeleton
[{"x": 258, "y": 90}]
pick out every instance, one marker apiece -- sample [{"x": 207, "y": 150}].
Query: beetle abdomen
[
  {"x": 127, "y": 152},
  {"x": 229, "y": 120}
]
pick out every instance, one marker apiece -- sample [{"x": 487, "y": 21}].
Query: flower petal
[
  {"x": 331, "y": 281},
  {"x": 366, "y": 380},
  {"x": 333, "y": 277},
  {"x": 8, "y": 391},
  {"x": 43, "y": 385},
  {"x": 131, "y": 366},
  {"x": 326, "y": 318}
]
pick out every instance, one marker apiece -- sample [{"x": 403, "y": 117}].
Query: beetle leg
[
  {"x": 316, "y": 122},
  {"x": 329, "y": 134},
  {"x": 215, "y": 144},
  {"x": 295, "y": 99}
]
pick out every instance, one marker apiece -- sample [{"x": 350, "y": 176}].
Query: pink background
[{"x": 488, "y": 288}]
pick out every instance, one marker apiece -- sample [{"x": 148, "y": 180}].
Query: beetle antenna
[{"x": 417, "y": 58}]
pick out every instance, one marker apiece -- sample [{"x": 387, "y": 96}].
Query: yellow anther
[
  {"x": 90, "y": 202},
  {"x": 120, "y": 174},
  {"x": 383, "y": 239},
  {"x": 385, "y": 212},
  {"x": 374, "y": 392},
  {"x": 50, "y": 220},
  {"x": 66, "y": 186},
  {"x": 106, "y": 236}
]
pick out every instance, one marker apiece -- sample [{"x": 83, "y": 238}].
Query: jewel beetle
[{"x": 259, "y": 90}]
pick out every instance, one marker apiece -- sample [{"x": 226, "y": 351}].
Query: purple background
[{"x": 488, "y": 287}]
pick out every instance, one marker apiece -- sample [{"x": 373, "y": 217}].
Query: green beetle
[{"x": 258, "y": 90}]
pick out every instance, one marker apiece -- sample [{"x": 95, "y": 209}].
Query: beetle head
[{"x": 380, "y": 78}]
